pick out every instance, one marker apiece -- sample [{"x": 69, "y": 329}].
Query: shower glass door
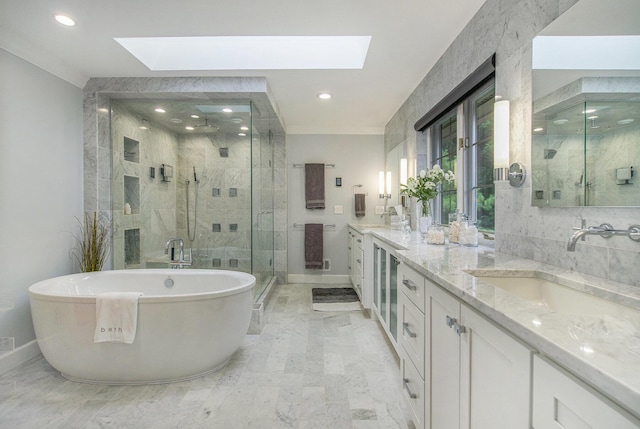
[{"x": 262, "y": 209}]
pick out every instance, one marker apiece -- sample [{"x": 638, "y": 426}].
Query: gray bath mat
[{"x": 335, "y": 299}]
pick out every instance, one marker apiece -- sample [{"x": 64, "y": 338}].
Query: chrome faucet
[
  {"x": 605, "y": 230},
  {"x": 180, "y": 262}
]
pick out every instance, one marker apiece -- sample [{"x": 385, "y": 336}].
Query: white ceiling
[{"x": 408, "y": 36}]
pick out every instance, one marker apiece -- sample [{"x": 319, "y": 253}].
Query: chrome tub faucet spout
[
  {"x": 605, "y": 230},
  {"x": 181, "y": 262}
]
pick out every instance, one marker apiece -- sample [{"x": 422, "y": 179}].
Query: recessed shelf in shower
[
  {"x": 132, "y": 193},
  {"x": 131, "y": 150},
  {"x": 131, "y": 247}
]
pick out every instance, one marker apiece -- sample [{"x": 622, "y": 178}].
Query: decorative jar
[{"x": 435, "y": 234}]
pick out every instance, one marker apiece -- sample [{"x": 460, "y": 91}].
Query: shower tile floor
[{"x": 307, "y": 369}]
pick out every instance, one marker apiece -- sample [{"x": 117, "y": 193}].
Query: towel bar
[
  {"x": 302, "y": 165},
  {"x": 301, "y": 225},
  {"x": 358, "y": 186}
]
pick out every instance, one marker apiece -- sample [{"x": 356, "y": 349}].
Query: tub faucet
[
  {"x": 605, "y": 230},
  {"x": 180, "y": 262}
]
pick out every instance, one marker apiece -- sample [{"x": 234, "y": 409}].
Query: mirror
[{"x": 586, "y": 107}]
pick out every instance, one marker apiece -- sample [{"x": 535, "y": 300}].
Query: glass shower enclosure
[{"x": 197, "y": 170}]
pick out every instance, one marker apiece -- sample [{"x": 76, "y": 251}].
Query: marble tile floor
[{"x": 307, "y": 369}]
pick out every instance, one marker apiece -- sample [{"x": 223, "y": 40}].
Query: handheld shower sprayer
[{"x": 192, "y": 237}]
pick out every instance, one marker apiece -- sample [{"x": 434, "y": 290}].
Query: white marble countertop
[{"x": 603, "y": 350}]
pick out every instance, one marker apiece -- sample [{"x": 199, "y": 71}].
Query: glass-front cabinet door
[
  {"x": 383, "y": 285},
  {"x": 376, "y": 277},
  {"x": 393, "y": 296}
]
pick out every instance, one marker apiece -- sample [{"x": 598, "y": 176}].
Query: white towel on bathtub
[{"x": 116, "y": 317}]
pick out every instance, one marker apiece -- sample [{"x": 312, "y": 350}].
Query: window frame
[{"x": 467, "y": 137}]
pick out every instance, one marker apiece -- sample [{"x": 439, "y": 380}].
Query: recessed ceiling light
[
  {"x": 593, "y": 117},
  {"x": 189, "y": 128},
  {"x": 244, "y": 128},
  {"x": 103, "y": 110},
  {"x": 195, "y": 116},
  {"x": 242, "y": 134},
  {"x": 160, "y": 110},
  {"x": 176, "y": 120},
  {"x": 324, "y": 96},
  {"x": 625, "y": 121},
  {"x": 537, "y": 130},
  {"x": 236, "y": 120},
  {"x": 561, "y": 121},
  {"x": 589, "y": 111},
  {"x": 227, "y": 110},
  {"x": 65, "y": 20}
]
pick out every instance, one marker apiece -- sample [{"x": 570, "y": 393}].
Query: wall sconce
[
  {"x": 404, "y": 174},
  {"x": 384, "y": 184},
  {"x": 502, "y": 171}
]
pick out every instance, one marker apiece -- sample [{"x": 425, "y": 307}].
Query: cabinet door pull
[
  {"x": 460, "y": 329},
  {"x": 451, "y": 321},
  {"x": 405, "y": 384},
  {"x": 358, "y": 260},
  {"x": 359, "y": 241},
  {"x": 408, "y": 284},
  {"x": 405, "y": 326}
]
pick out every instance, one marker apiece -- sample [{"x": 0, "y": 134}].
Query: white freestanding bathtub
[{"x": 190, "y": 322}]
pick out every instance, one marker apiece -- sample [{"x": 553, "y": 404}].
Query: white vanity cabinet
[
  {"x": 562, "y": 401},
  {"x": 480, "y": 375},
  {"x": 356, "y": 261}
]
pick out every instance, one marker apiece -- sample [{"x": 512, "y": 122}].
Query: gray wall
[
  {"x": 507, "y": 28},
  {"x": 357, "y": 159},
  {"x": 41, "y": 185}
]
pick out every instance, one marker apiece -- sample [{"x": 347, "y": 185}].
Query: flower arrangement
[{"x": 425, "y": 187}]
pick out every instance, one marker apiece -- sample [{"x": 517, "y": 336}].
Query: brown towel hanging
[
  {"x": 314, "y": 186},
  {"x": 360, "y": 205},
  {"x": 313, "y": 245}
]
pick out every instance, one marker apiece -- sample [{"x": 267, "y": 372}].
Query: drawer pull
[
  {"x": 409, "y": 284},
  {"x": 358, "y": 260},
  {"x": 359, "y": 241},
  {"x": 405, "y": 326},
  {"x": 405, "y": 384},
  {"x": 451, "y": 321},
  {"x": 460, "y": 329}
]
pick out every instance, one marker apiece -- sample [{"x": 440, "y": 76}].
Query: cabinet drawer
[
  {"x": 413, "y": 392},
  {"x": 412, "y": 333},
  {"x": 412, "y": 284}
]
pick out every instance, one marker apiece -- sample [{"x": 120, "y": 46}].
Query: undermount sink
[{"x": 544, "y": 289}]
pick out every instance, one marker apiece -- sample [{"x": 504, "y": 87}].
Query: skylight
[
  {"x": 586, "y": 52},
  {"x": 249, "y": 52}
]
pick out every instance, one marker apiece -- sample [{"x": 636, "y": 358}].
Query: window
[{"x": 462, "y": 141}]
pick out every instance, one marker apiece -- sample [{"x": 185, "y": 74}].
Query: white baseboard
[
  {"x": 19, "y": 356},
  {"x": 318, "y": 279}
]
